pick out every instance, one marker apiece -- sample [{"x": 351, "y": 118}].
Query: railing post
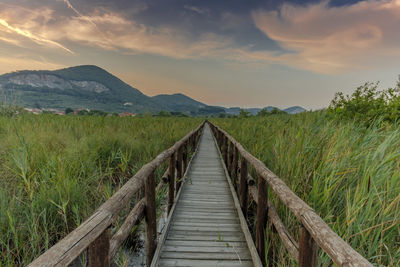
[
  {"x": 261, "y": 218},
  {"x": 230, "y": 158},
  {"x": 193, "y": 142},
  {"x": 150, "y": 214},
  {"x": 99, "y": 250},
  {"x": 235, "y": 166},
  {"x": 171, "y": 188},
  {"x": 225, "y": 150},
  {"x": 243, "y": 191},
  {"x": 178, "y": 169},
  {"x": 307, "y": 249},
  {"x": 185, "y": 156}
]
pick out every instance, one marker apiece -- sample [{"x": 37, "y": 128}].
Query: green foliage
[
  {"x": 96, "y": 112},
  {"x": 83, "y": 112},
  {"x": 243, "y": 113},
  {"x": 69, "y": 110},
  {"x": 347, "y": 172},
  {"x": 56, "y": 170},
  {"x": 367, "y": 104},
  {"x": 164, "y": 113},
  {"x": 274, "y": 111}
]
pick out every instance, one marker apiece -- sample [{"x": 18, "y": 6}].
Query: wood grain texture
[
  {"x": 151, "y": 219},
  {"x": 171, "y": 187},
  {"x": 243, "y": 187},
  {"x": 204, "y": 226},
  {"x": 307, "y": 249},
  {"x": 99, "y": 250},
  {"x": 288, "y": 241},
  {"x": 261, "y": 218}
]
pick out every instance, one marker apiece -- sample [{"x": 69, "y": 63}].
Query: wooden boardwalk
[{"x": 204, "y": 227}]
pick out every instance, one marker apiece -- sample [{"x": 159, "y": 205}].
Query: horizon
[{"x": 249, "y": 54}]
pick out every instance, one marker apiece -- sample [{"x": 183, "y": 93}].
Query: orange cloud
[
  {"x": 329, "y": 39},
  {"x": 104, "y": 29}
]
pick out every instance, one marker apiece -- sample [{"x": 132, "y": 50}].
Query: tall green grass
[
  {"x": 55, "y": 171},
  {"x": 349, "y": 173}
]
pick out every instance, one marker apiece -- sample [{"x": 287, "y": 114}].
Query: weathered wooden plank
[
  {"x": 99, "y": 250},
  {"x": 134, "y": 217},
  {"x": 261, "y": 218},
  {"x": 205, "y": 215},
  {"x": 221, "y": 238},
  {"x": 205, "y": 224},
  {"x": 208, "y": 228},
  {"x": 179, "y": 169},
  {"x": 287, "y": 240},
  {"x": 207, "y": 255},
  {"x": 307, "y": 249},
  {"x": 243, "y": 186},
  {"x": 204, "y": 263},
  {"x": 200, "y": 244},
  {"x": 227, "y": 248},
  {"x": 171, "y": 187},
  {"x": 151, "y": 218}
]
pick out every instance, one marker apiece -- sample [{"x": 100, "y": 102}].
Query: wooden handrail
[
  {"x": 338, "y": 250},
  {"x": 71, "y": 246}
]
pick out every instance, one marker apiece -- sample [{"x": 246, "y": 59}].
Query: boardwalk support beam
[
  {"x": 171, "y": 186},
  {"x": 243, "y": 186},
  {"x": 151, "y": 231},
  {"x": 261, "y": 218},
  {"x": 99, "y": 250},
  {"x": 307, "y": 249}
]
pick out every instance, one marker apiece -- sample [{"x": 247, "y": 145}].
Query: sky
[{"x": 243, "y": 53}]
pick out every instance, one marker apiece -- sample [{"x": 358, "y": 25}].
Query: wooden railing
[
  {"x": 95, "y": 233},
  {"x": 314, "y": 231}
]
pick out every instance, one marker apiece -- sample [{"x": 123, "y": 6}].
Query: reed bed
[
  {"x": 347, "y": 172},
  {"x": 56, "y": 170}
]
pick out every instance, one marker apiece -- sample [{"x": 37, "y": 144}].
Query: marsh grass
[
  {"x": 55, "y": 171},
  {"x": 347, "y": 172}
]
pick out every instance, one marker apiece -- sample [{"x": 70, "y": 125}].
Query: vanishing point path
[{"x": 204, "y": 227}]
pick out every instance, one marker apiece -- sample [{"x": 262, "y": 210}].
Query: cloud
[
  {"x": 18, "y": 25},
  {"x": 198, "y": 10},
  {"x": 131, "y": 37},
  {"x": 327, "y": 39}
]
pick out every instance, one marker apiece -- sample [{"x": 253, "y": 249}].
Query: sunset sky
[{"x": 231, "y": 53}]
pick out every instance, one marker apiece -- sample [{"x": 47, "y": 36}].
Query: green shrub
[{"x": 367, "y": 104}]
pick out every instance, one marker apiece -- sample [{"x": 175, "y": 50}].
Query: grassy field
[
  {"x": 55, "y": 171},
  {"x": 348, "y": 173}
]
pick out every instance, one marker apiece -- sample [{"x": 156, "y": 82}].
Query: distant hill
[
  {"x": 294, "y": 110},
  {"x": 86, "y": 86},
  {"x": 178, "y": 102},
  {"x": 254, "y": 111},
  {"x": 92, "y": 87}
]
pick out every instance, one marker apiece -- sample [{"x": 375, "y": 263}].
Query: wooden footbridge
[{"x": 207, "y": 221}]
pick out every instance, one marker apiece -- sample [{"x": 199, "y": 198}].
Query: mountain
[
  {"x": 294, "y": 110},
  {"x": 178, "y": 102},
  {"x": 86, "y": 86},
  {"x": 92, "y": 87}
]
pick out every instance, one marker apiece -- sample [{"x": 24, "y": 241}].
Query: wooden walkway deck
[{"x": 206, "y": 227}]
